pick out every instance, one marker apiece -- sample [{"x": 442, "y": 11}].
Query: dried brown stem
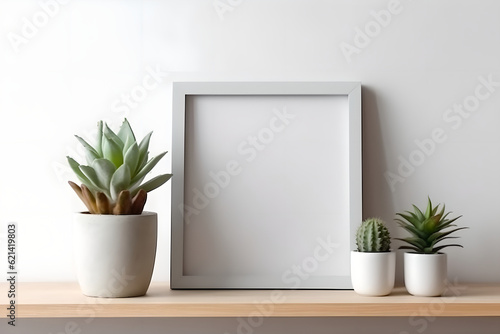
[
  {"x": 102, "y": 203},
  {"x": 138, "y": 202},
  {"x": 90, "y": 199},
  {"x": 81, "y": 195},
  {"x": 123, "y": 204}
]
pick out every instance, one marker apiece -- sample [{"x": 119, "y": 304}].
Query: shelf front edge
[{"x": 263, "y": 310}]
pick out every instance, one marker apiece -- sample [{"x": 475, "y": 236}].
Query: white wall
[{"x": 421, "y": 65}]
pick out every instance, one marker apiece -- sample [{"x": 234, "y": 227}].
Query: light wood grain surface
[{"x": 60, "y": 300}]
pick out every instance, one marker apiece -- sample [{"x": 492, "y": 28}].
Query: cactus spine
[{"x": 373, "y": 236}]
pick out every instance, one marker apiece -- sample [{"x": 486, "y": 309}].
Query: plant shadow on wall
[
  {"x": 115, "y": 241},
  {"x": 377, "y": 197}
]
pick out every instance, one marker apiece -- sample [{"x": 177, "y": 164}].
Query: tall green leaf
[
  {"x": 99, "y": 139},
  {"x": 104, "y": 170},
  {"x": 437, "y": 249},
  {"x": 428, "y": 211},
  {"x": 120, "y": 181},
  {"x": 416, "y": 242},
  {"x": 112, "y": 151},
  {"x": 108, "y": 133},
  {"x": 442, "y": 235},
  {"x": 152, "y": 184},
  {"x": 90, "y": 153},
  {"x": 126, "y": 135},
  {"x": 131, "y": 158},
  {"x": 148, "y": 167},
  {"x": 418, "y": 213},
  {"x": 411, "y": 219},
  {"x": 75, "y": 166},
  {"x": 92, "y": 176},
  {"x": 143, "y": 152}
]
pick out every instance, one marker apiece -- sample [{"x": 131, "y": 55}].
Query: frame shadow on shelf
[{"x": 267, "y": 188}]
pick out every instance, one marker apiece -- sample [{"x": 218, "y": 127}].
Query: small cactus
[{"x": 373, "y": 236}]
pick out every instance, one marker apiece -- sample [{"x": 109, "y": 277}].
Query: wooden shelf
[{"x": 61, "y": 300}]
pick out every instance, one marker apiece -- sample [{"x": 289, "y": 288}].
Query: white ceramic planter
[
  {"x": 425, "y": 274},
  {"x": 372, "y": 274},
  {"x": 115, "y": 254}
]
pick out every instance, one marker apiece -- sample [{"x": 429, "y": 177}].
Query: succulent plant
[
  {"x": 373, "y": 236},
  {"x": 427, "y": 229},
  {"x": 112, "y": 180}
]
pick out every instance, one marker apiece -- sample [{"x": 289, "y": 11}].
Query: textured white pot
[
  {"x": 425, "y": 274},
  {"x": 373, "y": 274},
  {"x": 115, "y": 254}
]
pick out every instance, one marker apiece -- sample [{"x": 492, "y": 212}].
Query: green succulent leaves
[
  {"x": 112, "y": 180},
  {"x": 373, "y": 236},
  {"x": 427, "y": 229}
]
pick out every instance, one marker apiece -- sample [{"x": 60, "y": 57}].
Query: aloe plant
[
  {"x": 373, "y": 236},
  {"x": 112, "y": 180},
  {"x": 427, "y": 229}
]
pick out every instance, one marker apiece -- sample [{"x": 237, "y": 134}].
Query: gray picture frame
[{"x": 198, "y": 108}]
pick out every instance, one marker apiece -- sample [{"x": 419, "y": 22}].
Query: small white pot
[
  {"x": 425, "y": 274},
  {"x": 372, "y": 274},
  {"x": 115, "y": 254}
]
